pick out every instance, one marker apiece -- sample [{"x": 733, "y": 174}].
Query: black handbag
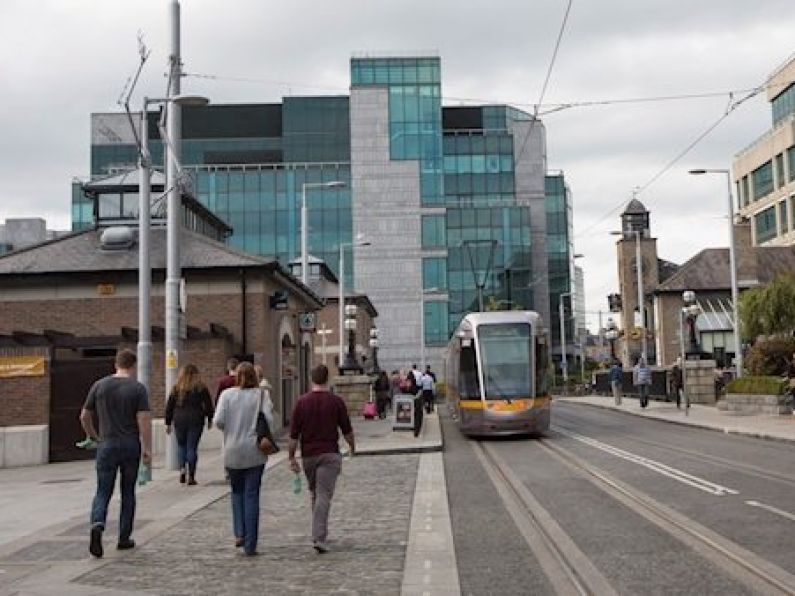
[{"x": 265, "y": 441}]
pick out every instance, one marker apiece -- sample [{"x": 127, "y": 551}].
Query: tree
[{"x": 769, "y": 310}]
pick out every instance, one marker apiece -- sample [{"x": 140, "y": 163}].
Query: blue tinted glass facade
[
  {"x": 559, "y": 228},
  {"x": 415, "y": 113}
]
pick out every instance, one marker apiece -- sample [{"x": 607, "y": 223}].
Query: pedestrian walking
[
  {"x": 677, "y": 386},
  {"x": 120, "y": 405},
  {"x": 416, "y": 373},
  {"x": 382, "y": 387},
  {"x": 616, "y": 377},
  {"x": 236, "y": 415},
  {"x": 187, "y": 408},
  {"x": 641, "y": 378},
  {"x": 317, "y": 417},
  {"x": 426, "y": 384},
  {"x": 228, "y": 380}
]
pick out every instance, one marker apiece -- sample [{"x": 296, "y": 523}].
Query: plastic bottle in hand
[
  {"x": 297, "y": 484},
  {"x": 144, "y": 474}
]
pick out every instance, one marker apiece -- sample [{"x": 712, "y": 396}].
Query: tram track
[
  {"x": 571, "y": 571},
  {"x": 697, "y": 456},
  {"x": 745, "y": 566},
  {"x": 568, "y": 569}
]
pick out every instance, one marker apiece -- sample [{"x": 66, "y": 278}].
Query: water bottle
[
  {"x": 296, "y": 484},
  {"x": 144, "y": 474}
]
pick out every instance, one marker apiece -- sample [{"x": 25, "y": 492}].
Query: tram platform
[
  {"x": 777, "y": 428},
  {"x": 389, "y": 528}
]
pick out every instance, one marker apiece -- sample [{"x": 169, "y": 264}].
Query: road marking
[
  {"x": 771, "y": 509},
  {"x": 659, "y": 467}
]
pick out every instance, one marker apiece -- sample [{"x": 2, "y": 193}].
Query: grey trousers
[{"x": 321, "y": 475}]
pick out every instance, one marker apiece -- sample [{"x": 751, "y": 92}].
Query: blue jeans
[
  {"x": 245, "y": 504},
  {"x": 122, "y": 455},
  {"x": 187, "y": 446}
]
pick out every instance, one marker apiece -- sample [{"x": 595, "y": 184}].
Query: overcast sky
[{"x": 60, "y": 60}]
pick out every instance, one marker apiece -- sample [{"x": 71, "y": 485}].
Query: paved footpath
[
  {"x": 389, "y": 529},
  {"x": 778, "y": 428}
]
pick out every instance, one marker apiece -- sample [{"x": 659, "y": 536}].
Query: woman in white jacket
[{"x": 236, "y": 415}]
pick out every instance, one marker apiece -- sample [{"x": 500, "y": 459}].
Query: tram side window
[
  {"x": 542, "y": 366},
  {"x": 468, "y": 374}
]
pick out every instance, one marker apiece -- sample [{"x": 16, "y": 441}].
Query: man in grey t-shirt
[{"x": 121, "y": 407}]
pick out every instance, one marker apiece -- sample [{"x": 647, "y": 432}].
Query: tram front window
[{"x": 505, "y": 356}]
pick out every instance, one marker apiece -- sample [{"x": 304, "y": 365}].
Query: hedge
[{"x": 758, "y": 385}]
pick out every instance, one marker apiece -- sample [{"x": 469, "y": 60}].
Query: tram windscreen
[{"x": 505, "y": 357}]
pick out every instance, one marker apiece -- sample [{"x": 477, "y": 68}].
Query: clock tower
[{"x": 635, "y": 229}]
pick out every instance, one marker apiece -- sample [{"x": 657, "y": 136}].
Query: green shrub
[
  {"x": 770, "y": 356},
  {"x": 758, "y": 385}
]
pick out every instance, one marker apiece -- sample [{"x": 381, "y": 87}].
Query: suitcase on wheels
[{"x": 369, "y": 410}]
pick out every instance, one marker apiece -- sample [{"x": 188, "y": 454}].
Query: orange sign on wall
[{"x": 22, "y": 366}]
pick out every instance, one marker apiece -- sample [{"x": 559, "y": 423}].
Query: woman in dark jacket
[
  {"x": 188, "y": 406},
  {"x": 382, "y": 387}
]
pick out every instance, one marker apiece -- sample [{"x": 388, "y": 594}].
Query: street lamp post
[
  {"x": 304, "y": 225},
  {"x": 738, "y": 349},
  {"x": 612, "y": 335},
  {"x": 323, "y": 332},
  {"x": 641, "y": 306},
  {"x": 360, "y": 241},
  {"x": 374, "y": 347},
  {"x": 351, "y": 365},
  {"x": 144, "y": 347},
  {"x": 564, "y": 367}
]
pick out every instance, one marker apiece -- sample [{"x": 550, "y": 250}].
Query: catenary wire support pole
[
  {"x": 173, "y": 272},
  {"x": 144, "y": 347},
  {"x": 564, "y": 365},
  {"x": 738, "y": 347}
]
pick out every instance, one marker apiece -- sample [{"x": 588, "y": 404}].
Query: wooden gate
[{"x": 70, "y": 381}]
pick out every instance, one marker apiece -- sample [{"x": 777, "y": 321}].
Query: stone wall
[
  {"x": 25, "y": 400},
  {"x": 700, "y": 381},
  {"x": 773, "y": 405},
  {"x": 354, "y": 389}
]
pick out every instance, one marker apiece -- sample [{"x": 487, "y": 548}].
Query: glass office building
[
  {"x": 560, "y": 250},
  {"x": 452, "y": 201}
]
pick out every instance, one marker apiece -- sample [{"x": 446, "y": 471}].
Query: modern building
[
  {"x": 450, "y": 202},
  {"x": 764, "y": 172},
  {"x": 21, "y": 232}
]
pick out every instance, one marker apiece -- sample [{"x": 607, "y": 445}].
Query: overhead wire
[{"x": 520, "y": 153}]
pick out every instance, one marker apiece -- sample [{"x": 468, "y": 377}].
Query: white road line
[
  {"x": 659, "y": 467},
  {"x": 771, "y": 509}
]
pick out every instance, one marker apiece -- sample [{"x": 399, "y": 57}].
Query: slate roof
[
  {"x": 81, "y": 252},
  {"x": 709, "y": 269}
]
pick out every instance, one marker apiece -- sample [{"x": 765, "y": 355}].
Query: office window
[
  {"x": 434, "y": 273},
  {"x": 433, "y": 231},
  {"x": 763, "y": 180},
  {"x": 784, "y": 104},
  {"x": 436, "y": 322},
  {"x": 746, "y": 191},
  {"x": 782, "y": 216},
  {"x": 791, "y": 163},
  {"x": 780, "y": 178},
  {"x": 765, "y": 225}
]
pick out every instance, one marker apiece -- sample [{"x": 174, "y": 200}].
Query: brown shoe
[
  {"x": 192, "y": 481},
  {"x": 239, "y": 542}
]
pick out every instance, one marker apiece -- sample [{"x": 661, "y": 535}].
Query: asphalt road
[{"x": 740, "y": 492}]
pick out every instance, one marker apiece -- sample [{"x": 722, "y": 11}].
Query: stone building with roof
[
  {"x": 708, "y": 275},
  {"x": 68, "y": 304}
]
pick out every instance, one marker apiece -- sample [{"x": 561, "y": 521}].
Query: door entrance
[{"x": 70, "y": 381}]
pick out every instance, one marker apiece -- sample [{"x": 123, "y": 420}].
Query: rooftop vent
[{"x": 116, "y": 238}]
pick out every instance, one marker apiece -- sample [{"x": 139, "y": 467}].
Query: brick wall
[{"x": 26, "y": 400}]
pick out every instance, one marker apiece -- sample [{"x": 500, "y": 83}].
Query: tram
[{"x": 496, "y": 373}]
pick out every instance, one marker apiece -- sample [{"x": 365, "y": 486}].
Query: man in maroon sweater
[
  {"x": 316, "y": 417},
  {"x": 228, "y": 380}
]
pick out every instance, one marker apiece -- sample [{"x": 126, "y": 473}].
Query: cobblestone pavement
[{"x": 368, "y": 532}]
